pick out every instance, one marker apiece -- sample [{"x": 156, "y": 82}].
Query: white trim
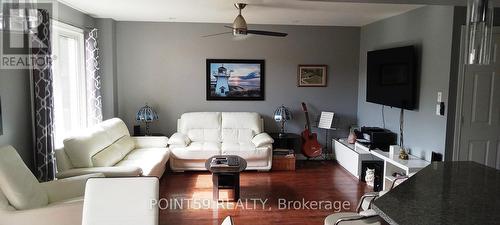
[
  {"x": 73, "y": 6},
  {"x": 60, "y": 29},
  {"x": 460, "y": 88}
]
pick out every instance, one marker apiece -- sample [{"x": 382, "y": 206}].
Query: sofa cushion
[
  {"x": 113, "y": 153},
  {"x": 248, "y": 151},
  {"x": 237, "y": 135},
  {"x": 4, "y": 202},
  {"x": 196, "y": 150},
  {"x": 200, "y": 135},
  {"x": 146, "y": 158},
  {"x": 115, "y": 128},
  {"x": 235, "y": 147},
  {"x": 239, "y": 120},
  {"x": 203, "y": 146},
  {"x": 17, "y": 182},
  {"x": 201, "y": 126},
  {"x": 63, "y": 161},
  {"x": 80, "y": 148}
]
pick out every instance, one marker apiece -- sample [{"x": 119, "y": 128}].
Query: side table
[
  {"x": 226, "y": 177},
  {"x": 289, "y": 141}
]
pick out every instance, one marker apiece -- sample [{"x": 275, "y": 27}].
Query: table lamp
[
  {"x": 281, "y": 115},
  {"x": 146, "y": 115}
]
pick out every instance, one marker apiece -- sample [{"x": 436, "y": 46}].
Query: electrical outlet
[{"x": 440, "y": 109}]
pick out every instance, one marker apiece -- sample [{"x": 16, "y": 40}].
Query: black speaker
[{"x": 436, "y": 157}]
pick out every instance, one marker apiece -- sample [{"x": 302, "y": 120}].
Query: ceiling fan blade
[
  {"x": 211, "y": 35},
  {"x": 267, "y": 33},
  {"x": 230, "y": 27}
]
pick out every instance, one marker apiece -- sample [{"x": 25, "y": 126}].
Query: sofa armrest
[
  {"x": 64, "y": 213},
  {"x": 179, "y": 139},
  {"x": 151, "y": 142},
  {"x": 116, "y": 171},
  {"x": 262, "y": 139},
  {"x": 63, "y": 189}
]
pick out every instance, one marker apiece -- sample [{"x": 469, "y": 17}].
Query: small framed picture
[{"x": 312, "y": 76}]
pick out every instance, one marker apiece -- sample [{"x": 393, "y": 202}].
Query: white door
[{"x": 479, "y": 131}]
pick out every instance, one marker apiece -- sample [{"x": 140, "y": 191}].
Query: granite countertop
[{"x": 444, "y": 193}]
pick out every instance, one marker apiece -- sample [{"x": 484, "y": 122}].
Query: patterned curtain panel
[
  {"x": 94, "y": 99},
  {"x": 43, "y": 100}
]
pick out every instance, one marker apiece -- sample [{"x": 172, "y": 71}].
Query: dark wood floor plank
[{"x": 312, "y": 181}]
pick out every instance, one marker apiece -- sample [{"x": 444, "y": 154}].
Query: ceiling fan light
[
  {"x": 239, "y": 32},
  {"x": 240, "y": 23}
]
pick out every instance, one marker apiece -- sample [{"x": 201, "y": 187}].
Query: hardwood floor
[{"x": 312, "y": 181}]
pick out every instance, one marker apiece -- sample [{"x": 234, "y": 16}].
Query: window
[{"x": 69, "y": 83}]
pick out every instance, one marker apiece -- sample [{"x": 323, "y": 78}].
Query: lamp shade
[
  {"x": 282, "y": 114},
  {"x": 146, "y": 114}
]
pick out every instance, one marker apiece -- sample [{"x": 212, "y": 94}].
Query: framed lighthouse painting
[{"x": 235, "y": 79}]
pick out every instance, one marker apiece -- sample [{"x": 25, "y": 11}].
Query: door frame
[{"x": 460, "y": 90}]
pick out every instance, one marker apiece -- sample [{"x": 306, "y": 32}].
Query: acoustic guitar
[{"x": 310, "y": 145}]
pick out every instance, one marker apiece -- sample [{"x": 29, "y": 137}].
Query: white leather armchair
[
  {"x": 201, "y": 135},
  {"x": 121, "y": 201},
  {"x": 25, "y": 201}
]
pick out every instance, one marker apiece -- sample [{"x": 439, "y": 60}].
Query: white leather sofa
[
  {"x": 201, "y": 135},
  {"x": 25, "y": 201},
  {"x": 108, "y": 148}
]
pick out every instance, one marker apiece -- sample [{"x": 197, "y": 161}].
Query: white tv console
[{"x": 351, "y": 156}]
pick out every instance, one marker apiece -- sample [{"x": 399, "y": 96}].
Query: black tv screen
[{"x": 392, "y": 78}]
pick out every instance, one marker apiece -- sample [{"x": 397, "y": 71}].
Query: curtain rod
[{"x": 71, "y": 24}]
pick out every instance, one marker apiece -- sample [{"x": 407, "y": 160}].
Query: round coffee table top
[{"x": 226, "y": 169}]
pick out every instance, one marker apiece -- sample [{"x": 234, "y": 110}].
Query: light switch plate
[
  {"x": 438, "y": 109},
  {"x": 440, "y": 96}
]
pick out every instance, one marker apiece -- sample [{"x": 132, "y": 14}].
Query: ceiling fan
[{"x": 240, "y": 27}]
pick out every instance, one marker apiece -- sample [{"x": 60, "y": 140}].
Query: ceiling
[{"x": 283, "y": 12}]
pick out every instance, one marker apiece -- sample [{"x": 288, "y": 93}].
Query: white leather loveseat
[
  {"x": 201, "y": 135},
  {"x": 108, "y": 148}
]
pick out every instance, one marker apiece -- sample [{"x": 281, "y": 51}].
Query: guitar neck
[{"x": 308, "y": 122}]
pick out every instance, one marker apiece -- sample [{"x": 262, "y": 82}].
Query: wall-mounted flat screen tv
[{"x": 392, "y": 77}]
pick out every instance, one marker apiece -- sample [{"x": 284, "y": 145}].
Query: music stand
[{"x": 326, "y": 123}]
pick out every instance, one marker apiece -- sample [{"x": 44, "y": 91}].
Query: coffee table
[{"x": 226, "y": 177}]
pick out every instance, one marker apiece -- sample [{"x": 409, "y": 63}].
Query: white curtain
[{"x": 94, "y": 98}]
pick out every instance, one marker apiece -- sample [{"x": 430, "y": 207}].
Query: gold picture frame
[{"x": 312, "y": 75}]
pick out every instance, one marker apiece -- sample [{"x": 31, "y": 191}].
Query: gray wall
[
  {"x": 107, "y": 46},
  {"x": 16, "y": 111},
  {"x": 430, "y": 29},
  {"x": 163, "y": 64}
]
